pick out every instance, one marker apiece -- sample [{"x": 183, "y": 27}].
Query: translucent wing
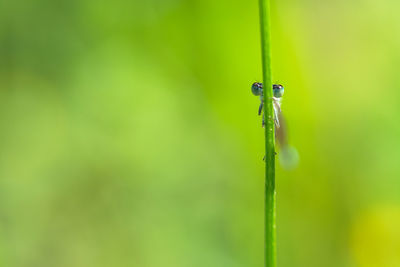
[{"x": 277, "y": 110}]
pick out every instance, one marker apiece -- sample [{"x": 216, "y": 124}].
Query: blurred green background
[{"x": 130, "y": 137}]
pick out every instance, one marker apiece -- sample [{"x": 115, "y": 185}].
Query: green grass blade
[{"x": 270, "y": 193}]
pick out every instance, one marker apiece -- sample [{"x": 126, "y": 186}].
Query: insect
[
  {"x": 278, "y": 90},
  {"x": 289, "y": 156}
]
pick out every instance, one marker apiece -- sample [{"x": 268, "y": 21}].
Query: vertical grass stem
[{"x": 270, "y": 193}]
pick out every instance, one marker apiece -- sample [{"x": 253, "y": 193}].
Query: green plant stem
[{"x": 270, "y": 193}]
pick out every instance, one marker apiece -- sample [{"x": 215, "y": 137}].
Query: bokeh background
[{"x": 129, "y": 134}]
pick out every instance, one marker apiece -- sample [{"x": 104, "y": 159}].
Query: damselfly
[
  {"x": 289, "y": 156},
  {"x": 278, "y": 90}
]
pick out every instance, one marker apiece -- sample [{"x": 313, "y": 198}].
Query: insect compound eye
[
  {"x": 256, "y": 88},
  {"x": 278, "y": 90}
]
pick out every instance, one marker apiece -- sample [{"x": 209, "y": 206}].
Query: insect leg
[{"x": 263, "y": 120}]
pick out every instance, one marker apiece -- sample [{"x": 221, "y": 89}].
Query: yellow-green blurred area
[{"x": 130, "y": 137}]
